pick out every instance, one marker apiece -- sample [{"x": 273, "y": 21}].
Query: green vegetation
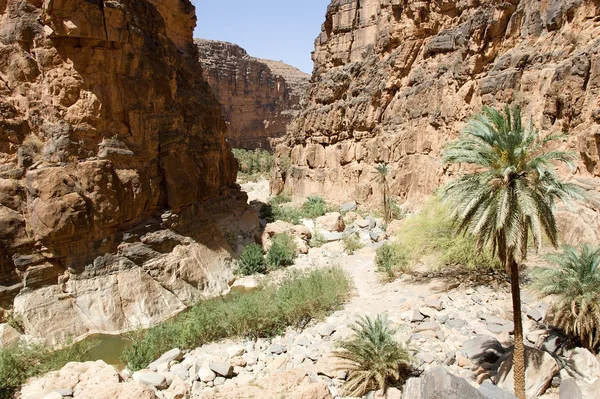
[
  {"x": 282, "y": 252},
  {"x": 508, "y": 196},
  {"x": 279, "y": 199},
  {"x": 262, "y": 313},
  {"x": 312, "y": 208},
  {"x": 20, "y": 362},
  {"x": 253, "y": 164},
  {"x": 391, "y": 258},
  {"x": 373, "y": 357},
  {"x": 574, "y": 281},
  {"x": 317, "y": 239},
  {"x": 252, "y": 260},
  {"x": 432, "y": 232},
  {"x": 351, "y": 243}
]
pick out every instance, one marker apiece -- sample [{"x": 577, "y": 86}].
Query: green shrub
[
  {"x": 252, "y": 260},
  {"x": 261, "y": 313},
  {"x": 431, "y": 233},
  {"x": 253, "y": 164},
  {"x": 314, "y": 207},
  {"x": 286, "y": 213},
  {"x": 352, "y": 243},
  {"x": 390, "y": 259},
  {"x": 282, "y": 252},
  {"x": 374, "y": 358},
  {"x": 574, "y": 281},
  {"x": 280, "y": 199},
  {"x": 20, "y": 362},
  {"x": 317, "y": 239}
]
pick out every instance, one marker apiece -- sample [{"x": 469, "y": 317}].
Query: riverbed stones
[
  {"x": 236, "y": 350},
  {"x": 167, "y": 357},
  {"x": 205, "y": 374},
  {"x": 223, "y": 369},
  {"x": 331, "y": 221},
  {"x": 439, "y": 383},
  {"x": 8, "y": 335},
  {"x": 569, "y": 389},
  {"x": 277, "y": 349},
  {"x": 151, "y": 379},
  {"x": 325, "y": 330},
  {"x": 482, "y": 348},
  {"x": 583, "y": 365}
]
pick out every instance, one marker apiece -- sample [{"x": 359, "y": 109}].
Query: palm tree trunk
[{"x": 519, "y": 351}]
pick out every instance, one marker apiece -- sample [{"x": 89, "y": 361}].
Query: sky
[{"x": 280, "y": 30}]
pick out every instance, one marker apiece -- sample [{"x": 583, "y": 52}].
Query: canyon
[
  {"x": 395, "y": 80},
  {"x": 117, "y": 185},
  {"x": 259, "y": 97}
]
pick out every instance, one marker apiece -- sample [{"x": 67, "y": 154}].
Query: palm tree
[
  {"x": 383, "y": 170},
  {"x": 507, "y": 195},
  {"x": 374, "y": 358},
  {"x": 574, "y": 280}
]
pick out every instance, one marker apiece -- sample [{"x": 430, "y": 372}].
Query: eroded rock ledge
[
  {"x": 259, "y": 97},
  {"x": 116, "y": 182},
  {"x": 394, "y": 80}
]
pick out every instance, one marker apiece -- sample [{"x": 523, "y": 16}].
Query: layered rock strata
[
  {"x": 116, "y": 181},
  {"x": 394, "y": 80},
  {"x": 259, "y": 97}
]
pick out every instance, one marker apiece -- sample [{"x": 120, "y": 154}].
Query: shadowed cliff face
[
  {"x": 115, "y": 175},
  {"x": 394, "y": 80},
  {"x": 259, "y": 97}
]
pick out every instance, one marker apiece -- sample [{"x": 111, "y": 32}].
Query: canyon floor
[{"x": 456, "y": 319}]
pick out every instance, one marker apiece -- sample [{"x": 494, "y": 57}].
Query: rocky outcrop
[
  {"x": 394, "y": 80},
  {"x": 116, "y": 181},
  {"x": 258, "y": 97}
]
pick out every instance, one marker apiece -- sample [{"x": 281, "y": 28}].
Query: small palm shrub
[
  {"x": 374, "y": 358},
  {"x": 282, "y": 252},
  {"x": 574, "y": 280},
  {"x": 391, "y": 258},
  {"x": 352, "y": 243},
  {"x": 252, "y": 260}
]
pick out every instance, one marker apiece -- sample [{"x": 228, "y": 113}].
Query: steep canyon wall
[
  {"x": 396, "y": 79},
  {"x": 259, "y": 97},
  {"x": 116, "y": 180}
]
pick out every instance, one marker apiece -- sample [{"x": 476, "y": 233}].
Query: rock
[
  {"x": 8, "y": 335},
  {"x": 219, "y": 381},
  {"x": 377, "y": 235},
  {"x": 491, "y": 391},
  {"x": 435, "y": 304},
  {"x": 456, "y": 323},
  {"x": 361, "y": 223},
  {"x": 223, "y": 369},
  {"x": 427, "y": 326},
  {"x": 53, "y": 395},
  {"x": 427, "y": 312},
  {"x": 535, "y": 315},
  {"x": 583, "y": 365},
  {"x": 438, "y": 383},
  {"x": 173, "y": 354},
  {"x": 303, "y": 341},
  {"x": 277, "y": 349},
  {"x": 331, "y": 221},
  {"x": 540, "y": 368},
  {"x": 325, "y": 330},
  {"x": 65, "y": 391},
  {"x": 205, "y": 374},
  {"x": 569, "y": 389},
  {"x": 300, "y": 233},
  {"x": 116, "y": 198},
  {"x": 348, "y": 206},
  {"x": 483, "y": 348},
  {"x": 399, "y": 85},
  {"x": 258, "y": 107},
  {"x": 499, "y": 329},
  {"x": 318, "y": 390},
  {"x": 416, "y": 316},
  {"x": 236, "y": 350},
  {"x": 425, "y": 357},
  {"x": 151, "y": 379}
]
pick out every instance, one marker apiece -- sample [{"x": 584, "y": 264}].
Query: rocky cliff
[
  {"x": 396, "y": 79},
  {"x": 259, "y": 97},
  {"x": 115, "y": 176}
]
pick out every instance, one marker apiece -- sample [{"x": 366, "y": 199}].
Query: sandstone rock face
[
  {"x": 116, "y": 181},
  {"x": 259, "y": 97},
  {"x": 394, "y": 80}
]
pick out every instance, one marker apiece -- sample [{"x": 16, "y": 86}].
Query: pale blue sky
[{"x": 281, "y": 30}]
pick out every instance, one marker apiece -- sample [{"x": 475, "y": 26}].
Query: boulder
[
  {"x": 205, "y": 374},
  {"x": 331, "y": 221},
  {"x": 151, "y": 379},
  {"x": 438, "y": 383},
  {"x": 583, "y": 365},
  {"x": 223, "y": 369},
  {"x": 318, "y": 390},
  {"x": 491, "y": 391},
  {"x": 569, "y": 389},
  {"x": 482, "y": 349},
  {"x": 173, "y": 354},
  {"x": 300, "y": 233},
  {"x": 325, "y": 330},
  {"x": 8, "y": 335},
  {"x": 540, "y": 368}
]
